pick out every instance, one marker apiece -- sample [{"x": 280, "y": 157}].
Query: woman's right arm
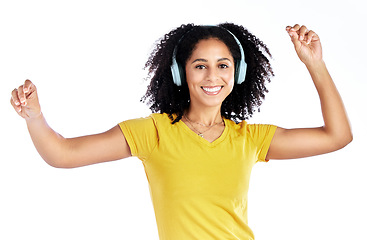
[{"x": 62, "y": 152}]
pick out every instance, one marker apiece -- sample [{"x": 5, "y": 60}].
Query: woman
[{"x": 196, "y": 149}]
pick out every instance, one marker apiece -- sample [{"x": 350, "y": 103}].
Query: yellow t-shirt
[{"x": 198, "y": 189}]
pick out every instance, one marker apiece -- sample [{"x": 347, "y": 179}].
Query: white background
[{"x": 86, "y": 59}]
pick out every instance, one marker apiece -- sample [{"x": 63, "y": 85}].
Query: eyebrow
[{"x": 204, "y": 60}]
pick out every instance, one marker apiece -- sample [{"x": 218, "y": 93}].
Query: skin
[{"x": 211, "y": 65}]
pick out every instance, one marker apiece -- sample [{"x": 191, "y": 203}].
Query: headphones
[{"x": 178, "y": 72}]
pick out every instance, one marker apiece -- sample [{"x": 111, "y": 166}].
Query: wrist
[
  {"x": 316, "y": 66},
  {"x": 319, "y": 73},
  {"x": 34, "y": 118}
]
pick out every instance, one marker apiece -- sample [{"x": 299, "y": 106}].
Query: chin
[{"x": 211, "y": 103}]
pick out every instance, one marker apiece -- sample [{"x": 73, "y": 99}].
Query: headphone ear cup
[
  {"x": 176, "y": 73},
  {"x": 240, "y": 74},
  {"x": 182, "y": 73}
]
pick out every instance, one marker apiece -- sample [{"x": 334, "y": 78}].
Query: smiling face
[{"x": 210, "y": 73}]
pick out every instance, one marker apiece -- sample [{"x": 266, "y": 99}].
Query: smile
[{"x": 212, "y": 90}]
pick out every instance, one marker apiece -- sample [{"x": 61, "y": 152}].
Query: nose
[{"x": 212, "y": 74}]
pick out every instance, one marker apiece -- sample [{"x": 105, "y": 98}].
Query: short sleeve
[
  {"x": 261, "y": 134},
  {"x": 141, "y": 135}
]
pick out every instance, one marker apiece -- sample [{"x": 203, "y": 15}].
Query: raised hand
[
  {"x": 25, "y": 100},
  {"x": 306, "y": 43}
]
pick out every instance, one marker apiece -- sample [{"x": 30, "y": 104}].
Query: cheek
[
  {"x": 230, "y": 79},
  {"x": 190, "y": 77},
  {"x": 231, "y": 84}
]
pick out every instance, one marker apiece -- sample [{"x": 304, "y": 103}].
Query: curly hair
[{"x": 163, "y": 96}]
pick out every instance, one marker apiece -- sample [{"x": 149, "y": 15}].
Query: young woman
[{"x": 196, "y": 148}]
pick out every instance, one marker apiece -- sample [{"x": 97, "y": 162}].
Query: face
[{"x": 210, "y": 73}]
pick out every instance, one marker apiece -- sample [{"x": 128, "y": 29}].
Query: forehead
[{"x": 211, "y": 46}]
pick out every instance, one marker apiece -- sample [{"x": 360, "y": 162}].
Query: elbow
[
  {"x": 62, "y": 155},
  {"x": 63, "y": 165},
  {"x": 60, "y": 166},
  {"x": 338, "y": 139},
  {"x": 343, "y": 141},
  {"x": 55, "y": 164},
  {"x": 60, "y": 163},
  {"x": 349, "y": 139}
]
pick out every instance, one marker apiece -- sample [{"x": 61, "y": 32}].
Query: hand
[
  {"x": 25, "y": 101},
  {"x": 306, "y": 43}
]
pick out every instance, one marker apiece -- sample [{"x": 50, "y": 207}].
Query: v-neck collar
[{"x": 202, "y": 140}]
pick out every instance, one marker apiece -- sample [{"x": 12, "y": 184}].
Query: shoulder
[
  {"x": 237, "y": 127},
  {"x": 152, "y": 118},
  {"x": 160, "y": 119},
  {"x": 153, "y": 121},
  {"x": 250, "y": 129}
]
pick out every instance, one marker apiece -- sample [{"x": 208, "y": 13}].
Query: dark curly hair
[{"x": 163, "y": 96}]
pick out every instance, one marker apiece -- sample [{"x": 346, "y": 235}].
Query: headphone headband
[{"x": 240, "y": 71}]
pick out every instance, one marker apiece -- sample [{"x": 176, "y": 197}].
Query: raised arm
[
  {"x": 336, "y": 132},
  {"x": 63, "y": 152}
]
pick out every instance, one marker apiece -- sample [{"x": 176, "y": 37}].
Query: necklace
[{"x": 201, "y": 134}]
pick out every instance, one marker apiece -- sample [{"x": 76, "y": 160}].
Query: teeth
[{"x": 215, "y": 89}]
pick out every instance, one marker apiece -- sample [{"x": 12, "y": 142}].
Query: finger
[
  {"x": 15, "y": 100},
  {"x": 294, "y": 38},
  {"x": 17, "y": 108},
  {"x": 295, "y": 27},
  {"x": 14, "y": 97},
  {"x": 293, "y": 31},
  {"x": 21, "y": 96},
  {"x": 28, "y": 85},
  {"x": 302, "y": 32}
]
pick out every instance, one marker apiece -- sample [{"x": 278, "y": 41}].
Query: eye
[
  {"x": 200, "y": 67},
  {"x": 223, "y": 65}
]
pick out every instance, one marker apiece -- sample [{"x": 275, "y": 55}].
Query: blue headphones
[{"x": 240, "y": 70}]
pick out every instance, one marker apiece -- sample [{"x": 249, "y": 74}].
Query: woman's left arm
[{"x": 336, "y": 132}]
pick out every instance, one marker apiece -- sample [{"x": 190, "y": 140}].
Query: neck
[{"x": 207, "y": 116}]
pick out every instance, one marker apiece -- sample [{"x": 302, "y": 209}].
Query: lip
[{"x": 212, "y": 90}]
